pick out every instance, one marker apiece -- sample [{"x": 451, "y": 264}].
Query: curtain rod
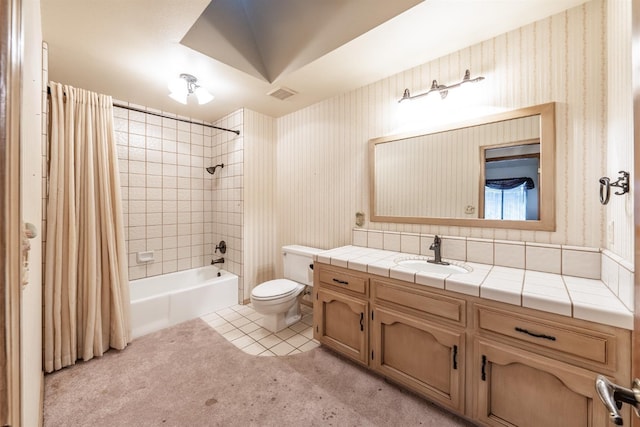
[{"x": 139, "y": 110}]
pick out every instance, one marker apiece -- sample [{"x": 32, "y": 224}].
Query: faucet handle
[{"x": 222, "y": 246}]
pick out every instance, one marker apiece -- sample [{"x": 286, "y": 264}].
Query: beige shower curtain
[{"x": 86, "y": 291}]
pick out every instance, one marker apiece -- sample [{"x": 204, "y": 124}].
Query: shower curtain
[{"x": 86, "y": 289}]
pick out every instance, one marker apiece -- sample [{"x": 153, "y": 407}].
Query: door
[
  {"x": 341, "y": 323},
  {"x": 10, "y": 219},
  {"x": 419, "y": 354},
  {"x": 507, "y": 380}
]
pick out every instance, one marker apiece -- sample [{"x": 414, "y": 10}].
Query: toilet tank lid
[{"x": 301, "y": 250}]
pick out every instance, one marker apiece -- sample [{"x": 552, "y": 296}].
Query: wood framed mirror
[{"x": 440, "y": 177}]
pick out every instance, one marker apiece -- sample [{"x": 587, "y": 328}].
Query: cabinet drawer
[
  {"x": 418, "y": 301},
  {"x": 343, "y": 280},
  {"x": 572, "y": 341}
]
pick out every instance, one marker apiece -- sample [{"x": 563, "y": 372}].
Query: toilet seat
[{"x": 275, "y": 289}]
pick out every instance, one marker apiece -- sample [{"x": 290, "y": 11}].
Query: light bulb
[
  {"x": 203, "y": 95},
  {"x": 180, "y": 97},
  {"x": 177, "y": 85}
]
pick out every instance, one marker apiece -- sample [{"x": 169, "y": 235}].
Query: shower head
[{"x": 212, "y": 169}]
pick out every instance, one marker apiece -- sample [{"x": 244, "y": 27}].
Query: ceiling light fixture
[
  {"x": 184, "y": 86},
  {"x": 443, "y": 90}
]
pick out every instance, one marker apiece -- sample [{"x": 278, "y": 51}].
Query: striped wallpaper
[
  {"x": 260, "y": 254},
  {"x": 322, "y": 150},
  {"x": 619, "y": 211}
]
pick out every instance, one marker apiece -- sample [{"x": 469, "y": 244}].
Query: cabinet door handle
[
  {"x": 546, "y": 337},
  {"x": 362, "y": 321},
  {"x": 484, "y": 368},
  {"x": 342, "y": 282},
  {"x": 455, "y": 357}
]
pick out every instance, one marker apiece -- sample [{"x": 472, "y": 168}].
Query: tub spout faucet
[
  {"x": 436, "y": 248},
  {"x": 217, "y": 261}
]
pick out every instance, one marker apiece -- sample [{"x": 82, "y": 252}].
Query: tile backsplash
[{"x": 590, "y": 263}]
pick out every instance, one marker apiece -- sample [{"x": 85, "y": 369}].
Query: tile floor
[{"x": 240, "y": 324}]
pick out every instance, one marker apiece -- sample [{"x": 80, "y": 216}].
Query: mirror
[{"x": 496, "y": 171}]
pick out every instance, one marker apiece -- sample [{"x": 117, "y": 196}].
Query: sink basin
[{"x": 421, "y": 264}]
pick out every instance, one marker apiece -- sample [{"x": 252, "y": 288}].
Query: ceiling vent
[{"x": 282, "y": 93}]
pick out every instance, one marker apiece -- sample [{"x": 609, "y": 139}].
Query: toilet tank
[{"x": 296, "y": 260}]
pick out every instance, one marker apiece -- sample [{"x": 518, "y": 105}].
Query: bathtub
[{"x": 161, "y": 301}]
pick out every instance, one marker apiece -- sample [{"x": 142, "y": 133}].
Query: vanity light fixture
[
  {"x": 184, "y": 86},
  {"x": 443, "y": 90}
]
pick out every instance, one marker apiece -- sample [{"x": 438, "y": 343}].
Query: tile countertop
[{"x": 586, "y": 299}]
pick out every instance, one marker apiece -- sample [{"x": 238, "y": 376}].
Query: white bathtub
[{"x": 161, "y": 301}]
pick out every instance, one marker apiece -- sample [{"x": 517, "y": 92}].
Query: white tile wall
[
  {"x": 609, "y": 272},
  {"x": 625, "y": 287},
  {"x": 360, "y": 237},
  {"x": 546, "y": 258},
  {"x": 409, "y": 243},
  {"x": 172, "y": 206},
  {"x": 375, "y": 240},
  {"x": 581, "y": 263},
  {"x": 509, "y": 254},
  {"x": 224, "y": 193},
  {"x": 452, "y": 247},
  {"x": 391, "y": 241},
  {"x": 480, "y": 251}
]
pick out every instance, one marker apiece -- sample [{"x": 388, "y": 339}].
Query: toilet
[{"x": 279, "y": 300}]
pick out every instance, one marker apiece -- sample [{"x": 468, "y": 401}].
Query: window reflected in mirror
[{"x": 512, "y": 177}]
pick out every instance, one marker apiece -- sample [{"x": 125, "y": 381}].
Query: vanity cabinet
[
  {"x": 514, "y": 387},
  {"x": 418, "y": 340},
  {"x": 531, "y": 370},
  {"x": 421, "y": 355},
  {"x": 494, "y": 363},
  {"x": 341, "y": 312}
]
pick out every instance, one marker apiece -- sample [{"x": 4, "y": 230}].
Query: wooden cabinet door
[
  {"x": 420, "y": 355},
  {"x": 517, "y": 388},
  {"x": 341, "y": 322}
]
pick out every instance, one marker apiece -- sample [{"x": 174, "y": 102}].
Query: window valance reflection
[{"x": 510, "y": 183}]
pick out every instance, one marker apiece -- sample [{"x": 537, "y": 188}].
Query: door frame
[
  {"x": 11, "y": 37},
  {"x": 635, "y": 76}
]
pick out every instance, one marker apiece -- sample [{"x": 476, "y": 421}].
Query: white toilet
[{"x": 279, "y": 300}]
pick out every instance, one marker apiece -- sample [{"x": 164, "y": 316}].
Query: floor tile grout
[{"x": 225, "y": 322}]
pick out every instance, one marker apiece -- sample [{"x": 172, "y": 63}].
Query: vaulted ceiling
[{"x": 241, "y": 50}]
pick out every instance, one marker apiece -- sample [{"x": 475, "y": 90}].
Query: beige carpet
[{"x": 189, "y": 375}]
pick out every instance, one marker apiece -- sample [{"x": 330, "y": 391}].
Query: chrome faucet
[
  {"x": 217, "y": 261},
  {"x": 436, "y": 247}
]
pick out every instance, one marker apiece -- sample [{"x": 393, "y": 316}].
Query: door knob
[{"x": 613, "y": 396}]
